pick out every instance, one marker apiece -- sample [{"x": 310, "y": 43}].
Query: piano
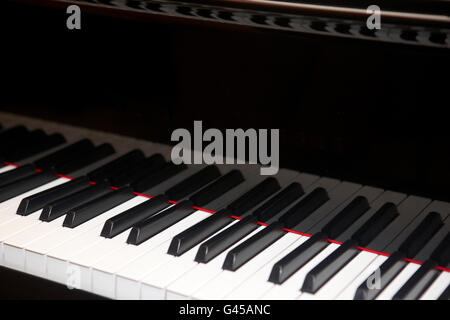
[{"x": 92, "y": 206}]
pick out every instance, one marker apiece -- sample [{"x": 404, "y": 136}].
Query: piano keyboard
[{"x": 113, "y": 216}]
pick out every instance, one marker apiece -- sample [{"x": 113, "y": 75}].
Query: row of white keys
[
  {"x": 338, "y": 196},
  {"x": 227, "y": 281},
  {"x": 201, "y": 274},
  {"x": 408, "y": 208},
  {"x": 104, "y": 269},
  {"x": 37, "y": 249},
  {"x": 12, "y": 223},
  {"x": 349, "y": 292},
  {"x": 155, "y": 283},
  {"x": 290, "y": 289},
  {"x": 128, "y": 278},
  {"x": 17, "y": 247},
  {"x": 35, "y": 242},
  {"x": 86, "y": 237},
  {"x": 257, "y": 285},
  {"x": 49, "y": 236},
  {"x": 19, "y": 223},
  {"x": 260, "y": 260}
]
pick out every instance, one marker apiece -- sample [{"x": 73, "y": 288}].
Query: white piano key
[
  {"x": 174, "y": 268},
  {"x": 105, "y": 268},
  {"x": 36, "y": 249},
  {"x": 7, "y": 168},
  {"x": 201, "y": 274},
  {"x": 290, "y": 289},
  {"x": 57, "y": 257},
  {"x": 257, "y": 285},
  {"x": 84, "y": 259},
  {"x": 35, "y": 262},
  {"x": 398, "y": 281},
  {"x": 129, "y": 276},
  {"x": 22, "y": 240},
  {"x": 227, "y": 280},
  {"x": 437, "y": 287},
  {"x": 349, "y": 292},
  {"x": 20, "y": 224},
  {"x": 13, "y": 247}
]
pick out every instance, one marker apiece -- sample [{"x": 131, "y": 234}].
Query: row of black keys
[{"x": 81, "y": 201}]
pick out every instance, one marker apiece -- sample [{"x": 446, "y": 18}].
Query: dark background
[{"x": 366, "y": 111}]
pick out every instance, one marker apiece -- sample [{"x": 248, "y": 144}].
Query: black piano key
[
  {"x": 388, "y": 271},
  {"x": 380, "y": 220},
  {"x": 64, "y": 155},
  {"x": 202, "y": 230},
  {"x": 117, "y": 166},
  {"x": 304, "y": 208},
  {"x": 442, "y": 252},
  {"x": 418, "y": 238},
  {"x": 146, "y": 229},
  {"x": 248, "y": 249},
  {"x": 39, "y": 200},
  {"x": 153, "y": 179},
  {"x": 445, "y": 295},
  {"x": 217, "y": 188},
  {"x": 421, "y": 235},
  {"x": 220, "y": 242},
  {"x": 119, "y": 223},
  {"x": 83, "y": 160},
  {"x": 278, "y": 202},
  {"x": 419, "y": 282},
  {"x": 427, "y": 273},
  {"x": 35, "y": 147},
  {"x": 254, "y": 197},
  {"x": 192, "y": 236},
  {"x": 26, "y": 184},
  {"x": 328, "y": 267},
  {"x": 344, "y": 219},
  {"x": 17, "y": 174},
  {"x": 297, "y": 258},
  {"x": 140, "y": 169},
  {"x": 92, "y": 209},
  {"x": 60, "y": 207},
  {"x": 193, "y": 183}
]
